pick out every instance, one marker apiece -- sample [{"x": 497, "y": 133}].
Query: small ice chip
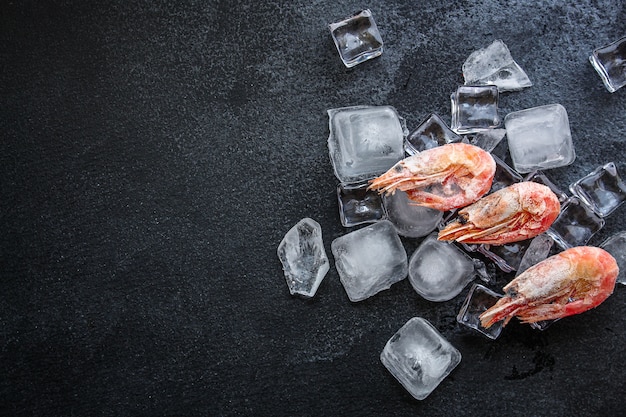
[
  {"x": 495, "y": 65},
  {"x": 357, "y": 38},
  {"x": 419, "y": 357},
  {"x": 610, "y": 63},
  {"x": 303, "y": 257},
  {"x": 369, "y": 260}
]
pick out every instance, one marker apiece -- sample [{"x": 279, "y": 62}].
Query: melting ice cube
[
  {"x": 474, "y": 108},
  {"x": 616, "y": 246},
  {"x": 576, "y": 224},
  {"x": 602, "y": 189},
  {"x": 539, "y": 138},
  {"x": 438, "y": 270},
  {"x": 303, "y": 257},
  {"x": 478, "y": 300},
  {"x": 610, "y": 63},
  {"x": 358, "y": 205},
  {"x": 408, "y": 218},
  {"x": 430, "y": 133},
  {"x": 364, "y": 141},
  {"x": 357, "y": 38},
  {"x": 495, "y": 65},
  {"x": 369, "y": 260},
  {"x": 419, "y": 357}
]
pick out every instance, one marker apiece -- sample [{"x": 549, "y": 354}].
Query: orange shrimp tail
[{"x": 505, "y": 309}]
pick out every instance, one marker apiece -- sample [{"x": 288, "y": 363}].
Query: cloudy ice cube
[
  {"x": 603, "y": 189},
  {"x": 474, "y": 108},
  {"x": 488, "y": 139},
  {"x": 539, "y": 138},
  {"x": 357, "y": 38},
  {"x": 610, "y": 63},
  {"x": 477, "y": 301},
  {"x": 538, "y": 250},
  {"x": 364, "y": 141},
  {"x": 616, "y": 246},
  {"x": 438, "y": 270},
  {"x": 495, "y": 65},
  {"x": 576, "y": 224},
  {"x": 358, "y": 205},
  {"x": 369, "y": 260},
  {"x": 430, "y": 133},
  {"x": 419, "y": 357},
  {"x": 408, "y": 218},
  {"x": 303, "y": 257}
]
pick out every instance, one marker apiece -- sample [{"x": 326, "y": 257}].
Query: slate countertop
[{"x": 155, "y": 153}]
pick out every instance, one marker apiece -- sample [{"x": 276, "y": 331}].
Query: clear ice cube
[
  {"x": 430, "y": 133},
  {"x": 358, "y": 205},
  {"x": 303, "y": 257},
  {"x": 489, "y": 139},
  {"x": 602, "y": 189},
  {"x": 364, "y": 141},
  {"x": 478, "y": 300},
  {"x": 576, "y": 224},
  {"x": 357, "y": 38},
  {"x": 408, "y": 218},
  {"x": 495, "y": 65},
  {"x": 616, "y": 246},
  {"x": 419, "y": 357},
  {"x": 474, "y": 108},
  {"x": 610, "y": 63},
  {"x": 539, "y": 138},
  {"x": 438, "y": 270},
  {"x": 541, "y": 178},
  {"x": 369, "y": 260},
  {"x": 538, "y": 250},
  {"x": 504, "y": 175},
  {"x": 506, "y": 257}
]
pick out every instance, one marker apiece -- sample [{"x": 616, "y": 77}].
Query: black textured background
[{"x": 154, "y": 154}]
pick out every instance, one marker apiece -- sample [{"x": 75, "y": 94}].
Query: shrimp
[
  {"x": 443, "y": 178},
  {"x": 571, "y": 282},
  {"x": 518, "y": 212}
]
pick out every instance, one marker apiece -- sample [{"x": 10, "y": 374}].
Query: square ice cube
[
  {"x": 364, "y": 141},
  {"x": 438, "y": 270},
  {"x": 358, "y": 205},
  {"x": 504, "y": 176},
  {"x": 408, "y": 218},
  {"x": 610, "y": 62},
  {"x": 419, "y": 357},
  {"x": 430, "y": 133},
  {"x": 495, "y": 65},
  {"x": 616, "y": 246},
  {"x": 357, "y": 38},
  {"x": 538, "y": 250},
  {"x": 602, "y": 189},
  {"x": 541, "y": 178},
  {"x": 478, "y": 300},
  {"x": 506, "y": 257},
  {"x": 369, "y": 260},
  {"x": 489, "y": 139},
  {"x": 304, "y": 259},
  {"x": 539, "y": 138},
  {"x": 576, "y": 224},
  {"x": 474, "y": 108}
]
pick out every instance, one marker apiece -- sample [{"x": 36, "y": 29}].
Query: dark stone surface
[{"x": 155, "y": 153}]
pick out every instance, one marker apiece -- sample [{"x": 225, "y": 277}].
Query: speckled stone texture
[{"x": 154, "y": 154}]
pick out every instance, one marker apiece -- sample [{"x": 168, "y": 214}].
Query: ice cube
[
  {"x": 478, "y": 300},
  {"x": 369, "y": 260},
  {"x": 504, "y": 176},
  {"x": 616, "y": 246},
  {"x": 495, "y": 65},
  {"x": 304, "y": 259},
  {"x": 358, "y": 205},
  {"x": 474, "y": 108},
  {"x": 489, "y": 139},
  {"x": 419, "y": 357},
  {"x": 603, "y": 189},
  {"x": 539, "y": 138},
  {"x": 357, "y": 38},
  {"x": 438, "y": 270},
  {"x": 538, "y": 250},
  {"x": 408, "y": 218},
  {"x": 506, "y": 257},
  {"x": 576, "y": 224},
  {"x": 541, "y": 178},
  {"x": 610, "y": 62},
  {"x": 430, "y": 133},
  {"x": 364, "y": 141}
]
